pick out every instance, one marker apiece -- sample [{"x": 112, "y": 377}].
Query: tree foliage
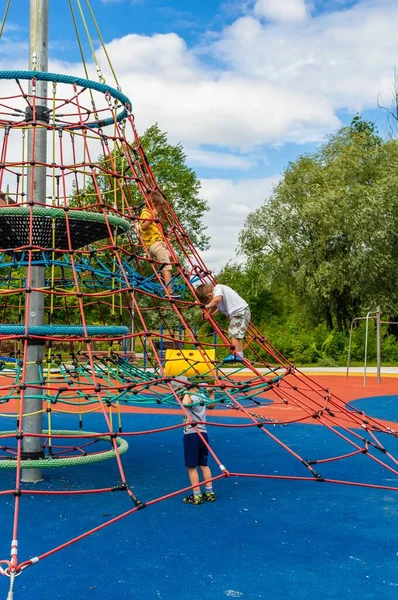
[
  {"x": 328, "y": 233},
  {"x": 176, "y": 179}
]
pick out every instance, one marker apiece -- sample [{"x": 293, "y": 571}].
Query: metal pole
[
  {"x": 38, "y": 60},
  {"x": 378, "y": 344},
  {"x": 161, "y": 342},
  {"x": 132, "y": 344},
  {"x": 366, "y": 348},
  {"x": 349, "y": 348},
  {"x": 180, "y": 336}
]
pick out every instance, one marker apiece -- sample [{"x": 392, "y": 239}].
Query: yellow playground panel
[{"x": 189, "y": 362}]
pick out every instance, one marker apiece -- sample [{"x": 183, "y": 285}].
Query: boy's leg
[
  {"x": 166, "y": 276},
  {"x": 162, "y": 254},
  {"x": 209, "y": 495},
  {"x": 238, "y": 345},
  {"x": 194, "y": 479},
  {"x": 191, "y": 450},
  {"x": 237, "y": 330},
  {"x": 206, "y": 473}
]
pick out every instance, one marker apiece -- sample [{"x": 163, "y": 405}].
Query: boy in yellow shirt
[{"x": 153, "y": 237}]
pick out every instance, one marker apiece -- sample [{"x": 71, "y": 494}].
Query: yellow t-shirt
[{"x": 152, "y": 234}]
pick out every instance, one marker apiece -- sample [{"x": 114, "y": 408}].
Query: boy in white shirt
[{"x": 226, "y": 300}]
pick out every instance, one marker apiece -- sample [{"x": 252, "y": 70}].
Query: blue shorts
[{"x": 195, "y": 451}]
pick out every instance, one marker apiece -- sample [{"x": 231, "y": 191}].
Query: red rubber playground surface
[
  {"x": 262, "y": 538},
  {"x": 349, "y": 390}
]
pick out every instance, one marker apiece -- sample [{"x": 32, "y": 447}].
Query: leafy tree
[
  {"x": 175, "y": 178},
  {"x": 252, "y": 282},
  {"x": 178, "y": 181},
  {"x": 328, "y": 232}
]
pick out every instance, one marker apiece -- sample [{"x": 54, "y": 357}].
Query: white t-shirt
[{"x": 231, "y": 302}]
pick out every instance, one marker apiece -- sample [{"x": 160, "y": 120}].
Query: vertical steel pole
[
  {"x": 365, "y": 360},
  {"x": 37, "y": 148},
  {"x": 349, "y": 348},
  {"x": 378, "y": 344},
  {"x": 132, "y": 344}
]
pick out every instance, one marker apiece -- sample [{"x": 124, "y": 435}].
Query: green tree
[
  {"x": 253, "y": 283},
  {"x": 328, "y": 231},
  {"x": 176, "y": 179}
]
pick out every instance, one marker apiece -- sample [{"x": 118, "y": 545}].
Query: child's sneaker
[
  {"x": 209, "y": 496},
  {"x": 193, "y": 499},
  {"x": 232, "y": 358}
]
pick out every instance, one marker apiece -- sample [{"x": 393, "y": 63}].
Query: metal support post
[{"x": 37, "y": 148}]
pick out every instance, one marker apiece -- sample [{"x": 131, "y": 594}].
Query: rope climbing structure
[{"x": 77, "y": 249}]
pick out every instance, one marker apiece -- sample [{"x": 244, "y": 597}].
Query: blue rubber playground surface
[{"x": 262, "y": 539}]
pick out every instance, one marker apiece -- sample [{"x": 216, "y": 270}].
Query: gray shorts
[{"x": 239, "y": 324}]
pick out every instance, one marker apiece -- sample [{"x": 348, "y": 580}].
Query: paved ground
[{"x": 263, "y": 538}]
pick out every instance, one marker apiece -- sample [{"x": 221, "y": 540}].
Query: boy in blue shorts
[{"x": 195, "y": 450}]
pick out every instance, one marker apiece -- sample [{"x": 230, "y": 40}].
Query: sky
[{"x": 245, "y": 85}]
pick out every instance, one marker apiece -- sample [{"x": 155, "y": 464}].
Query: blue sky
[{"x": 244, "y": 85}]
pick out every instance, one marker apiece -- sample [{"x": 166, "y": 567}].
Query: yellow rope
[
  {"x": 90, "y": 41},
  {"x": 82, "y": 56},
  {"x": 103, "y": 44},
  {"x": 4, "y": 18},
  {"x": 36, "y": 21},
  {"x": 58, "y": 410}
]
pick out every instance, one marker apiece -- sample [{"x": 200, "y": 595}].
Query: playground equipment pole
[
  {"x": 378, "y": 344},
  {"x": 32, "y": 447}
]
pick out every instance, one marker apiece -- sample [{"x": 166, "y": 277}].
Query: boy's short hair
[
  {"x": 181, "y": 382},
  {"x": 203, "y": 290},
  {"x": 157, "y": 197}
]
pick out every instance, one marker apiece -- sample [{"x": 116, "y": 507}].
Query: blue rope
[
  {"x": 103, "y": 273},
  {"x": 49, "y": 330},
  {"x": 86, "y": 83}
]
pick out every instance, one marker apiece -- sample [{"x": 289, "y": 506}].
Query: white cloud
[
  {"x": 219, "y": 160},
  {"x": 261, "y": 82},
  {"x": 281, "y": 10},
  {"x": 198, "y": 105},
  {"x": 341, "y": 57},
  {"x": 230, "y": 202},
  {"x": 277, "y": 75}
]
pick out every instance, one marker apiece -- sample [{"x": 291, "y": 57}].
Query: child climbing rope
[
  {"x": 226, "y": 300},
  {"x": 195, "y": 450},
  {"x": 152, "y": 236}
]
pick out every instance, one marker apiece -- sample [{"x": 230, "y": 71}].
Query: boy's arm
[
  {"x": 147, "y": 222},
  {"x": 187, "y": 399},
  {"x": 213, "y": 304},
  {"x": 163, "y": 220},
  {"x": 212, "y": 397}
]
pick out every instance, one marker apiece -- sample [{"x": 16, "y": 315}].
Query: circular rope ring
[
  {"x": 50, "y": 330},
  {"x": 66, "y": 228},
  {"x": 71, "y": 461},
  {"x": 60, "y": 213},
  {"x": 86, "y": 83}
]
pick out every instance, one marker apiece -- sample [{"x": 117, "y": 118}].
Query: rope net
[{"x": 114, "y": 336}]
